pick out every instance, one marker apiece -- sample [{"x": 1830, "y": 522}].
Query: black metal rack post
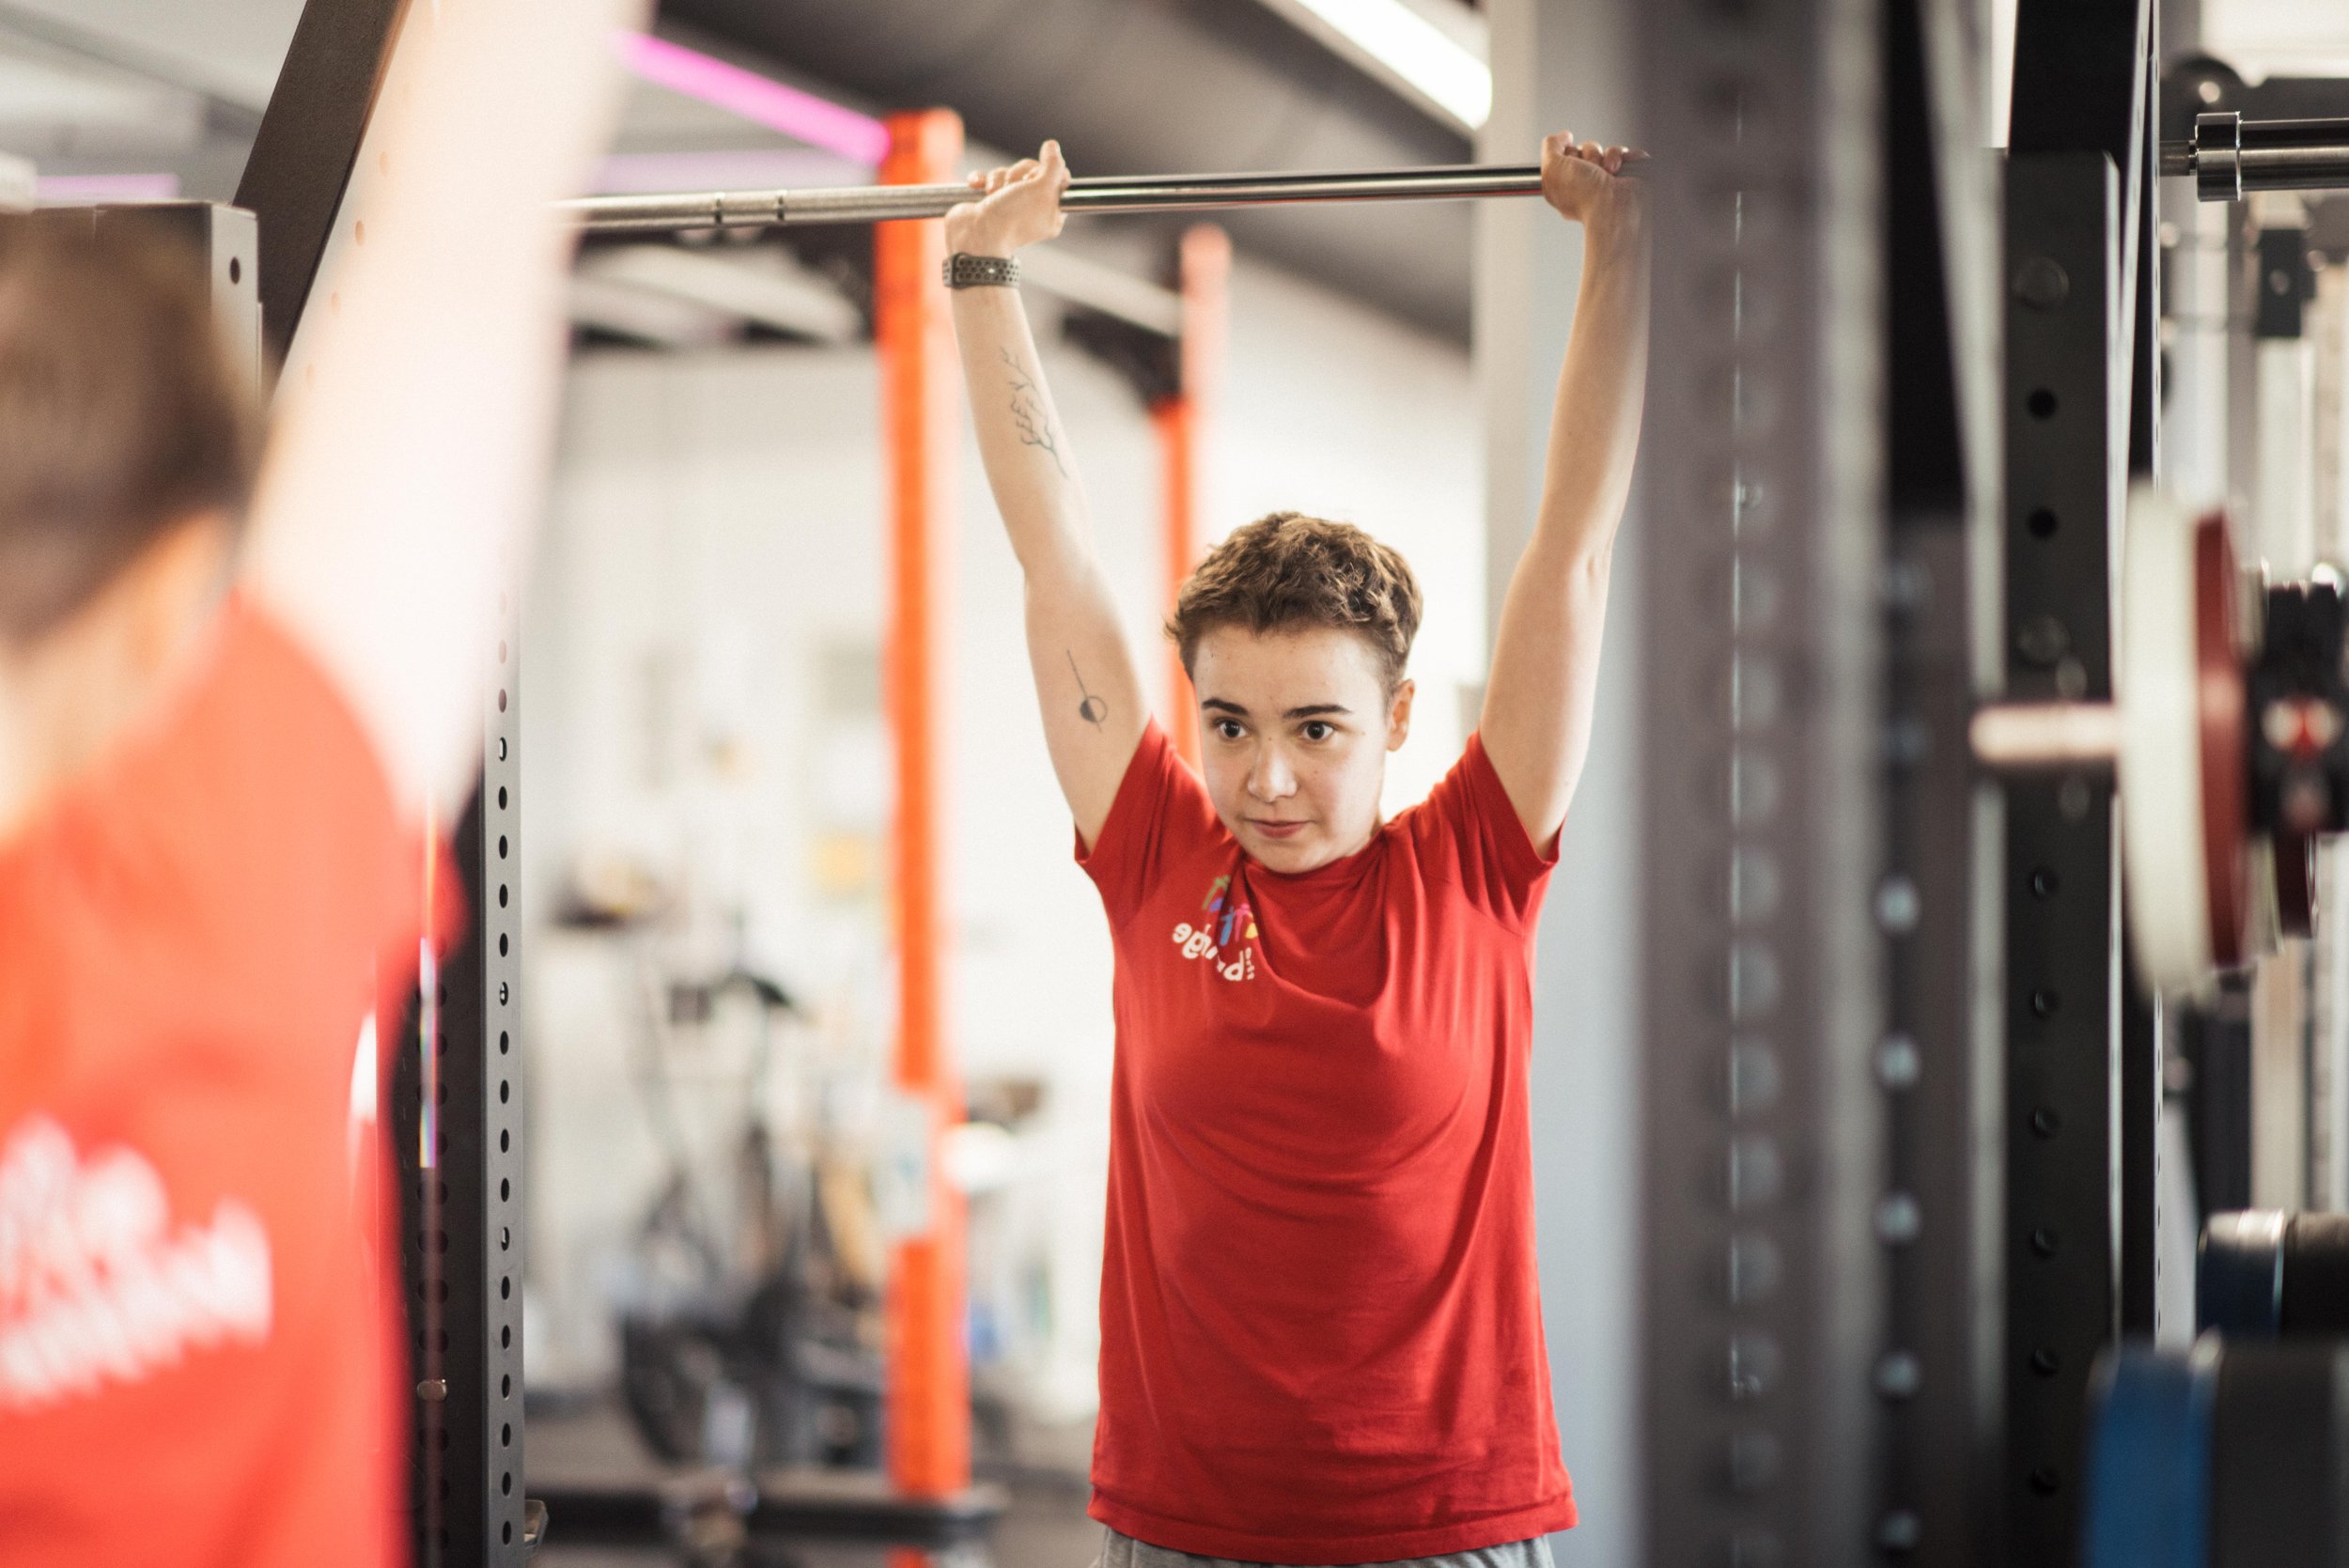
[
  {"x": 1936, "y": 1065},
  {"x": 1761, "y": 955},
  {"x": 2062, "y": 884},
  {"x": 458, "y": 1125},
  {"x": 2079, "y": 202},
  {"x": 306, "y": 145}
]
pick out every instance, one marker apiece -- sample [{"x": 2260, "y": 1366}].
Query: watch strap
[{"x": 965, "y": 270}]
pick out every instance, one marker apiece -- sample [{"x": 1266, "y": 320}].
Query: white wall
[
  {"x": 717, "y": 537},
  {"x": 1568, "y": 67}
]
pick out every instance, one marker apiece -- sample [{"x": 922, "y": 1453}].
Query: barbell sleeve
[
  {"x": 2021, "y": 738},
  {"x": 2230, "y": 157}
]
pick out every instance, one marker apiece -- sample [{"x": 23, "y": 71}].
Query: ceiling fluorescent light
[
  {"x": 1406, "y": 44},
  {"x": 760, "y": 100}
]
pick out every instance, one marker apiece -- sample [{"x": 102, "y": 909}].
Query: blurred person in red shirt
[{"x": 232, "y": 673}]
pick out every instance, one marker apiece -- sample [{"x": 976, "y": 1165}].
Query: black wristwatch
[{"x": 965, "y": 270}]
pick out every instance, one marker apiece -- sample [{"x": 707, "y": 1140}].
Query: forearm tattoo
[
  {"x": 1092, "y": 710},
  {"x": 1031, "y": 415}
]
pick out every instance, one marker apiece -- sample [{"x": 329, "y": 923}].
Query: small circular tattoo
[{"x": 1093, "y": 710}]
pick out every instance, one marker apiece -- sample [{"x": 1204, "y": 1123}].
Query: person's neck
[
  {"x": 67, "y": 693},
  {"x": 62, "y": 702}
]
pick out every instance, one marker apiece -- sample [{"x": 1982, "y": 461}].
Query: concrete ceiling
[
  {"x": 228, "y": 49},
  {"x": 1167, "y": 86},
  {"x": 142, "y": 86},
  {"x": 91, "y": 87}
]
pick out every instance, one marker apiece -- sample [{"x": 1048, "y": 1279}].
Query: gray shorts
[{"x": 1124, "y": 1551}]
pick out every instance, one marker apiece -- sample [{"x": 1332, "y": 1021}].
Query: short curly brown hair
[
  {"x": 1286, "y": 570},
  {"x": 120, "y": 412}
]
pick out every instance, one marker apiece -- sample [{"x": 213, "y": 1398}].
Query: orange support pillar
[
  {"x": 1171, "y": 418},
  {"x": 1204, "y": 267},
  {"x": 928, "y": 1394}
]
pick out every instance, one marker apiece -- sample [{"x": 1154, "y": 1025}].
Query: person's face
[{"x": 1295, "y": 729}]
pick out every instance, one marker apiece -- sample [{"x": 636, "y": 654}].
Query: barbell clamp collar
[{"x": 2218, "y": 156}]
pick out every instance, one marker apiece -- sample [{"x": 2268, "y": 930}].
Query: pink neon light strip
[
  {"x": 107, "y": 187},
  {"x": 758, "y": 98}
]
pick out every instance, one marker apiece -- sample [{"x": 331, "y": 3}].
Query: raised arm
[
  {"x": 1086, "y": 681},
  {"x": 1536, "y": 723},
  {"x": 398, "y": 484}
]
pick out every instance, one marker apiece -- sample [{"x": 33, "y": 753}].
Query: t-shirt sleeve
[
  {"x": 1468, "y": 832},
  {"x": 1162, "y": 813}
]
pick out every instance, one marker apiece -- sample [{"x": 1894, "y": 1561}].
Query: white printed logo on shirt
[
  {"x": 1225, "y": 919},
  {"x": 98, "y": 1286}
]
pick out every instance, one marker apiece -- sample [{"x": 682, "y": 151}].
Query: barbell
[
  {"x": 1160, "y": 193},
  {"x": 2226, "y": 157}
]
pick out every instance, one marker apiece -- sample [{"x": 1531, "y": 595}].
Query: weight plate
[
  {"x": 2239, "y": 1275},
  {"x": 2148, "y": 1503},
  {"x": 2164, "y": 866},
  {"x": 2225, "y": 741},
  {"x": 2276, "y": 1456},
  {"x": 2316, "y": 1294}
]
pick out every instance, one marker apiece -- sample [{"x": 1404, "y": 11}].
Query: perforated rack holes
[{"x": 1761, "y": 944}]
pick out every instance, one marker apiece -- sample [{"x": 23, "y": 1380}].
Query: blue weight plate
[{"x": 2148, "y": 1503}]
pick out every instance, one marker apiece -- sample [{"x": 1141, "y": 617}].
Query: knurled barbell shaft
[{"x": 866, "y": 204}]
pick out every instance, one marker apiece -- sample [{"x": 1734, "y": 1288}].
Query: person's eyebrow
[
  {"x": 1315, "y": 710},
  {"x": 1223, "y": 707}
]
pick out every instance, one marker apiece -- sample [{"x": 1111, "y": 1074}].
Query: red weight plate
[{"x": 2226, "y": 744}]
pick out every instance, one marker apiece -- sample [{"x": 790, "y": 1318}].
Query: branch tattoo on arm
[
  {"x": 1030, "y": 416},
  {"x": 1093, "y": 710}
]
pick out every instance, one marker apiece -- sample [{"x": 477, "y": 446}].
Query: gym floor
[{"x": 1045, "y": 1526}]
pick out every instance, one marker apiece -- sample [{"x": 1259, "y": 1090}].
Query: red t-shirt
[
  {"x": 197, "y": 1336},
  {"x": 1321, "y": 1333}
]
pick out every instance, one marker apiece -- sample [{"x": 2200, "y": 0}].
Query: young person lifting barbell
[{"x": 1321, "y": 1334}]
